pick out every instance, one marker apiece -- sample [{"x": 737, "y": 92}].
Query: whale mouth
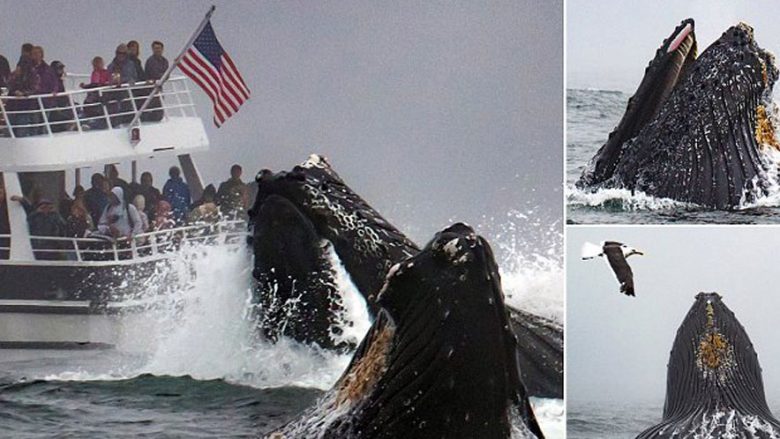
[
  {"x": 440, "y": 359},
  {"x": 671, "y": 63},
  {"x": 681, "y": 36},
  {"x": 295, "y": 292},
  {"x": 451, "y": 326},
  {"x": 694, "y": 129},
  {"x": 281, "y": 233},
  {"x": 714, "y": 380}
]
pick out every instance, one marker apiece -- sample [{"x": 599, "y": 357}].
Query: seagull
[{"x": 615, "y": 253}]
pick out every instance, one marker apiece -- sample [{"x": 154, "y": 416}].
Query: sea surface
[
  {"x": 591, "y": 116},
  {"x": 189, "y": 364},
  {"x": 617, "y": 419}
]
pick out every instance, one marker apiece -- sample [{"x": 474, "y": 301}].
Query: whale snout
[{"x": 710, "y": 297}]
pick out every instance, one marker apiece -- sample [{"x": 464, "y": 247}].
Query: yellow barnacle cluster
[
  {"x": 765, "y": 131},
  {"x": 713, "y": 350},
  {"x": 368, "y": 370},
  {"x": 764, "y": 73}
]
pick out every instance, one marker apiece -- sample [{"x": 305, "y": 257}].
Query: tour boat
[{"x": 65, "y": 293}]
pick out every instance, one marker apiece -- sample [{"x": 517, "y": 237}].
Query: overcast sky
[
  {"x": 618, "y": 347},
  {"x": 610, "y": 42},
  {"x": 431, "y": 110}
]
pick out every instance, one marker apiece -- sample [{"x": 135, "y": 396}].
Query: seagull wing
[{"x": 621, "y": 268}]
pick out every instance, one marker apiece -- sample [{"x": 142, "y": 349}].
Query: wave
[
  {"x": 616, "y": 200},
  {"x": 196, "y": 323}
]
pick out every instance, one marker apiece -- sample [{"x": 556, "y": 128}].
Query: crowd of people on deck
[
  {"x": 115, "y": 210},
  {"x": 33, "y": 76}
]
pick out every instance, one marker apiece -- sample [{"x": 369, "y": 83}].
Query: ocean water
[
  {"x": 591, "y": 116},
  {"x": 190, "y": 364},
  {"x": 616, "y": 419}
]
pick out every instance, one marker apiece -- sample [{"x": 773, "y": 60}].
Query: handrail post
[
  {"x": 116, "y": 252},
  {"x": 177, "y": 90},
  {"x": 75, "y": 113},
  {"x": 105, "y": 110},
  {"x": 130, "y": 89},
  {"x": 45, "y": 116},
  {"x": 5, "y": 118},
  {"x": 78, "y": 250},
  {"x": 133, "y": 248}
]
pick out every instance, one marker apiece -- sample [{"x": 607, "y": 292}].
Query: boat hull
[{"x": 67, "y": 306}]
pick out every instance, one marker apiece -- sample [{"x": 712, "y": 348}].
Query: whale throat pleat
[{"x": 714, "y": 384}]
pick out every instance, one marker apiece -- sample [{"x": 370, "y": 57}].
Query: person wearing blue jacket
[{"x": 177, "y": 193}]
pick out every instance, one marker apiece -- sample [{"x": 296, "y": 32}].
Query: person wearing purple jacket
[{"x": 48, "y": 82}]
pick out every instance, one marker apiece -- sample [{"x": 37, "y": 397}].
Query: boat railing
[
  {"x": 85, "y": 109},
  {"x": 138, "y": 248}
]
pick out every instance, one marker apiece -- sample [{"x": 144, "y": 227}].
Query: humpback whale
[
  {"x": 367, "y": 245},
  {"x": 291, "y": 260},
  {"x": 616, "y": 255},
  {"x": 439, "y": 360},
  {"x": 714, "y": 387},
  {"x": 695, "y": 128}
]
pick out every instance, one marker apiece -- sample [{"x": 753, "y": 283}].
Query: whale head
[
  {"x": 714, "y": 379},
  {"x": 439, "y": 361},
  {"x": 671, "y": 62},
  {"x": 366, "y": 243},
  {"x": 698, "y": 138}
]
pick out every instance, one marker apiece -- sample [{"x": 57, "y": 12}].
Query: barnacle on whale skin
[
  {"x": 713, "y": 349},
  {"x": 765, "y": 131}
]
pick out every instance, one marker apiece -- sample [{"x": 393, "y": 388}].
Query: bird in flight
[{"x": 615, "y": 253}]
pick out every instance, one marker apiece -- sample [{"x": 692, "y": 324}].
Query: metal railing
[
  {"x": 139, "y": 248},
  {"x": 86, "y": 109}
]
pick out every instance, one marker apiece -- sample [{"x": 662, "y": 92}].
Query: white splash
[
  {"x": 197, "y": 320},
  {"x": 550, "y": 413},
  {"x": 529, "y": 256},
  {"x": 620, "y": 200},
  {"x": 771, "y": 158}
]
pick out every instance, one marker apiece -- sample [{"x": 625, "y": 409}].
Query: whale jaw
[
  {"x": 714, "y": 384},
  {"x": 439, "y": 361}
]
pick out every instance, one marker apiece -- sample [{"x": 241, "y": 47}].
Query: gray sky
[
  {"x": 610, "y": 42},
  {"x": 431, "y": 110},
  {"x": 617, "y": 347}
]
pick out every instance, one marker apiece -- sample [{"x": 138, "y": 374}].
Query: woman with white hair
[{"x": 140, "y": 205}]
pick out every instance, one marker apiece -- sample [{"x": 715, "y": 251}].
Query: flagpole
[{"x": 158, "y": 85}]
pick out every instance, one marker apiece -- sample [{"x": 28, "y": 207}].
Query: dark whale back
[
  {"x": 714, "y": 382},
  {"x": 703, "y": 146},
  {"x": 439, "y": 361}
]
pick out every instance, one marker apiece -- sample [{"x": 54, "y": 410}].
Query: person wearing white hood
[{"x": 119, "y": 219}]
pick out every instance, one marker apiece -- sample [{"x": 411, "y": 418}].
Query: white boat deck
[{"x": 80, "y": 127}]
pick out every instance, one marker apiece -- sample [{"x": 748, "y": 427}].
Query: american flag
[{"x": 207, "y": 63}]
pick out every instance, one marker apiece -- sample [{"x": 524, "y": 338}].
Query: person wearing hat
[{"x": 44, "y": 220}]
